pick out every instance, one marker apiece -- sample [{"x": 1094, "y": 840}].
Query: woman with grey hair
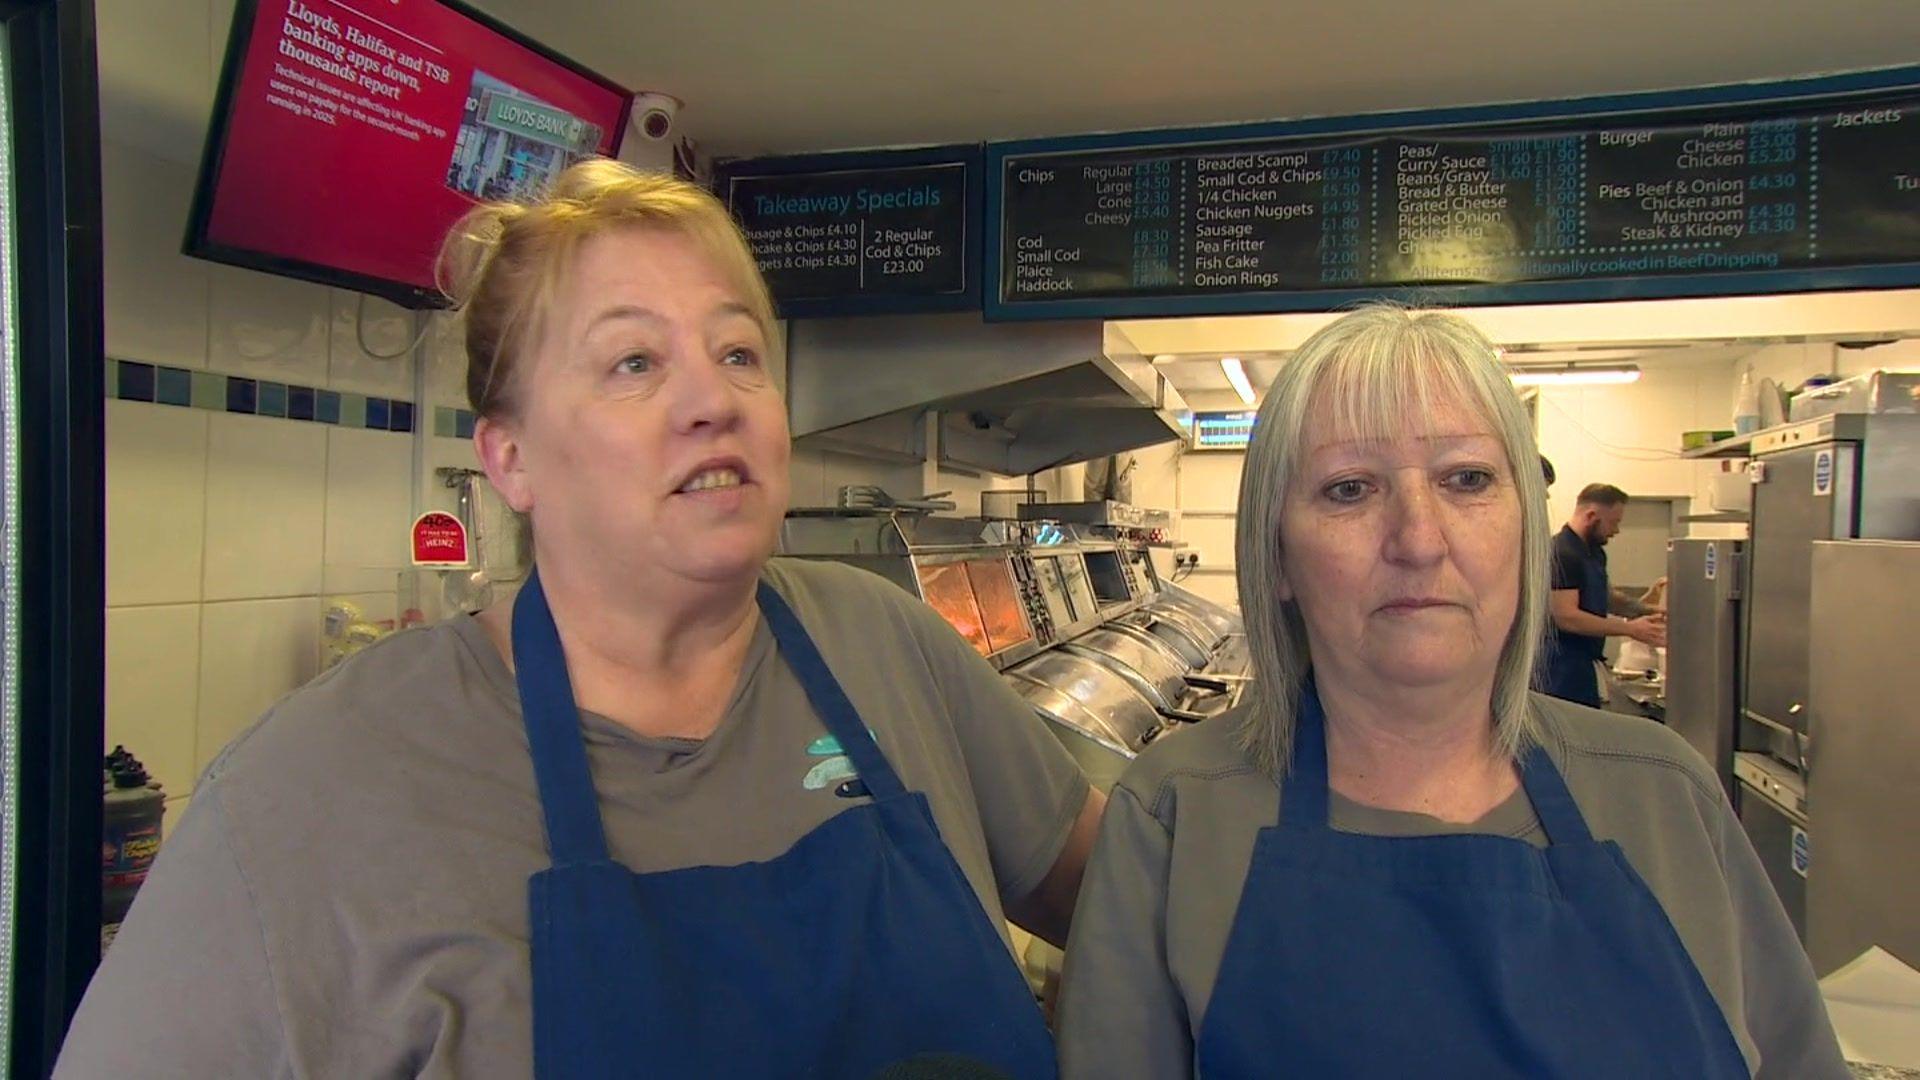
[{"x": 1465, "y": 878}]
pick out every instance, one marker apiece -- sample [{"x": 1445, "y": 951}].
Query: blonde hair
[
  {"x": 1367, "y": 373},
  {"x": 502, "y": 263}
]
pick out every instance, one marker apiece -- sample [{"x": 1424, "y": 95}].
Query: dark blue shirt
[{"x": 1583, "y": 566}]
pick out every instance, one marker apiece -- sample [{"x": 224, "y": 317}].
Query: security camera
[{"x": 654, "y": 116}]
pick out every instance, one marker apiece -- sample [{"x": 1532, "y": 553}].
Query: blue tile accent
[
  {"x": 131, "y": 380},
  {"x": 273, "y": 399},
  {"x": 240, "y": 394},
  {"x": 463, "y": 424},
  {"x": 136, "y": 381},
  {"x": 173, "y": 386},
  {"x": 209, "y": 390}
]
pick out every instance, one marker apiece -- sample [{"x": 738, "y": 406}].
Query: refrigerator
[
  {"x": 1703, "y": 647},
  {"x": 52, "y": 494},
  {"x": 1836, "y": 477},
  {"x": 1865, "y": 753}
]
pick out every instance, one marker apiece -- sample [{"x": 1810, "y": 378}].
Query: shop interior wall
[
  {"x": 228, "y": 532},
  {"x": 816, "y": 477},
  {"x": 1622, "y": 435}
]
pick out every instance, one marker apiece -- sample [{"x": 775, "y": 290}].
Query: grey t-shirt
[
  {"x": 1167, "y": 872},
  {"x": 347, "y": 895}
]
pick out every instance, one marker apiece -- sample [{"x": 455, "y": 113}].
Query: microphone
[{"x": 941, "y": 1067}]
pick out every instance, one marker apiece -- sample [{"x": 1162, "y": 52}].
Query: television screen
[{"x": 349, "y": 134}]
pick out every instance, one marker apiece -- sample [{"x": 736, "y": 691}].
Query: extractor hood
[{"x": 1011, "y": 398}]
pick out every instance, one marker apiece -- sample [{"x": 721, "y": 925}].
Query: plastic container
[
  {"x": 1746, "y": 405},
  {"x": 133, "y": 808}
]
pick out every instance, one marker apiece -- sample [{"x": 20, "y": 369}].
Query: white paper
[{"x": 1875, "y": 1005}]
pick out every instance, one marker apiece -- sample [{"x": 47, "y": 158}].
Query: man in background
[{"x": 1585, "y": 608}]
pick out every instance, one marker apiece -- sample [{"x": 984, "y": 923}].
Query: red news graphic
[{"x": 359, "y": 130}]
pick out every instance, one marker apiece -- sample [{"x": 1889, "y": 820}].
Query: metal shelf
[
  {"x": 1722, "y": 517},
  {"x": 1737, "y": 447}
]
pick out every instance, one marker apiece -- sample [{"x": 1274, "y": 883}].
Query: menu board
[
  {"x": 1636, "y": 198},
  {"x": 846, "y": 234},
  {"x": 1223, "y": 430}
]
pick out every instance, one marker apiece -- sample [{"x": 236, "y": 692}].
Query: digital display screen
[
  {"x": 1054, "y": 591},
  {"x": 948, "y": 589},
  {"x": 1222, "y": 430},
  {"x": 1073, "y": 574},
  {"x": 999, "y": 600},
  {"x": 351, "y": 134}
]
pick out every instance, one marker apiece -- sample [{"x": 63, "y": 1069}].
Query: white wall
[
  {"x": 1789, "y": 365},
  {"x": 1629, "y": 436}
]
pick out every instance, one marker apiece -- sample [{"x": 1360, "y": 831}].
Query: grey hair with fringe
[{"x": 1371, "y": 369}]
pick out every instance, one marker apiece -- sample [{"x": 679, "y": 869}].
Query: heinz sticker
[{"x": 439, "y": 539}]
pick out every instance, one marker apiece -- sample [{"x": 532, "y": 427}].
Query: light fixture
[
  {"x": 1237, "y": 375},
  {"x": 1576, "y": 375}
]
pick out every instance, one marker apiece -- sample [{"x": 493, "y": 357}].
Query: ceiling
[{"x": 775, "y": 76}]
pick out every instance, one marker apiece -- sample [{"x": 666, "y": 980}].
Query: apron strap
[
  {"x": 1303, "y": 795},
  {"x": 1553, "y": 803},
  {"x": 567, "y": 797},
  {"x": 826, "y": 696}
]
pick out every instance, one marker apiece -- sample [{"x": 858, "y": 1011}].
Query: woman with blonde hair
[
  {"x": 676, "y": 809},
  {"x": 1397, "y": 860}
]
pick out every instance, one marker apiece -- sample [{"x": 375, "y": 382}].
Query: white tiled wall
[
  {"x": 366, "y": 493},
  {"x": 156, "y": 297},
  {"x": 156, "y": 503},
  {"x": 384, "y": 328},
  {"x": 266, "y": 507},
  {"x": 251, "y": 653},
  {"x": 226, "y": 533},
  {"x": 153, "y": 687}
]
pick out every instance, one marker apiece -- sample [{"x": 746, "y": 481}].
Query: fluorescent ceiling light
[
  {"x": 1237, "y": 375},
  {"x": 1575, "y": 375}
]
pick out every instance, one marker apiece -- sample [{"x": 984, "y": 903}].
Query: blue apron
[
  {"x": 1452, "y": 956},
  {"x": 861, "y": 946},
  {"x": 1570, "y": 673}
]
